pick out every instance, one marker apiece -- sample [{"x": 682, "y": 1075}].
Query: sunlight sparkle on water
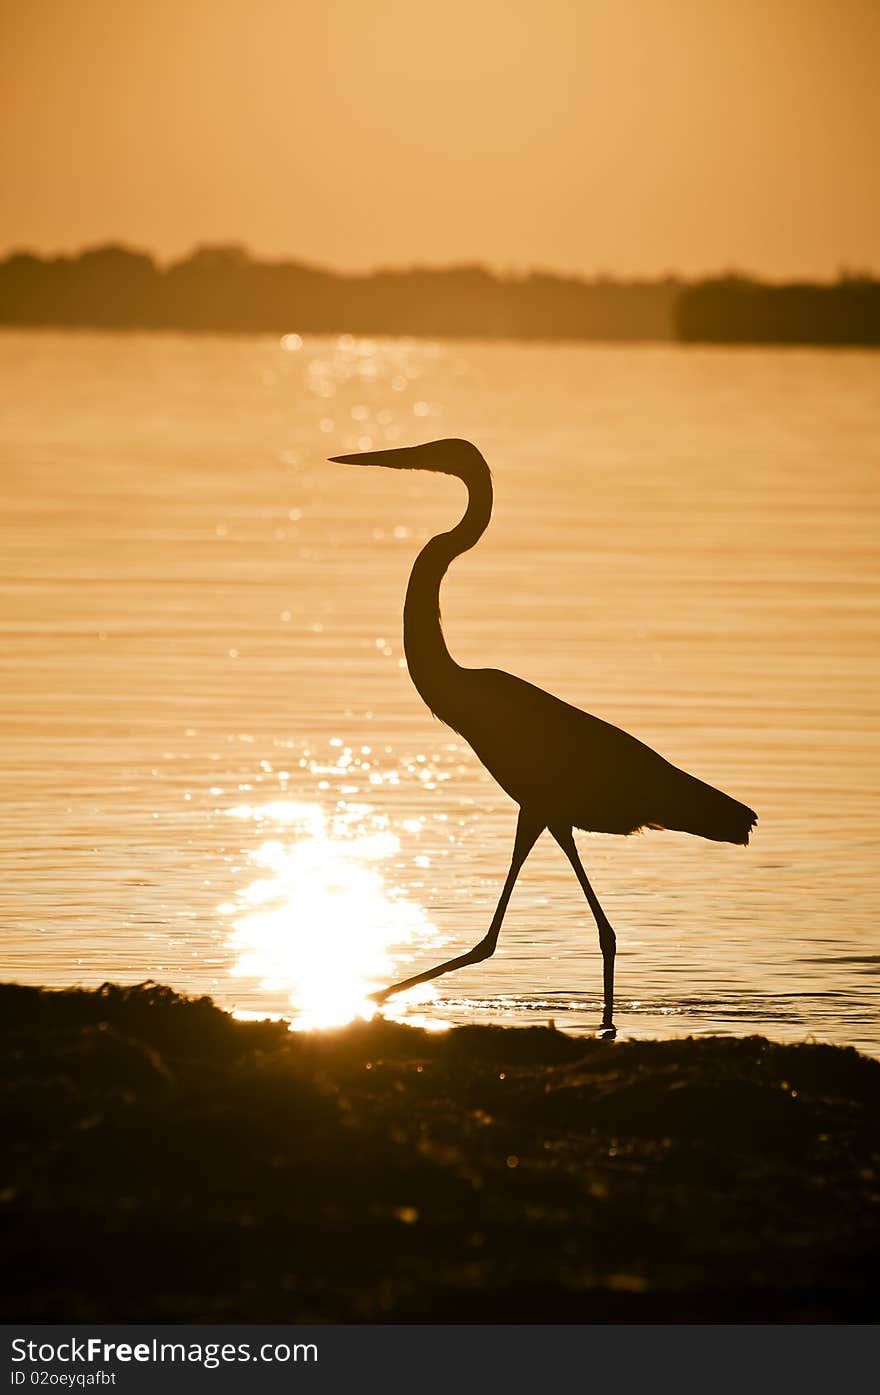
[{"x": 319, "y": 922}]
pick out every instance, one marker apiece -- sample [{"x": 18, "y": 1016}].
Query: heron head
[{"x": 449, "y": 457}]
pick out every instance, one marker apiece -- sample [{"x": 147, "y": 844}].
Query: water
[{"x": 217, "y": 774}]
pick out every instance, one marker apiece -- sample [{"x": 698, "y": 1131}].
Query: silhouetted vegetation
[
  {"x": 161, "y": 1161},
  {"x": 734, "y": 309},
  {"x": 224, "y": 289}
]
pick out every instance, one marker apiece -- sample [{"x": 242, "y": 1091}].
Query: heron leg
[
  {"x": 607, "y": 938},
  {"x": 528, "y": 831}
]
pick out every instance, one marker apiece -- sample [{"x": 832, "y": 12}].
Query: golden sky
[{"x": 629, "y": 136}]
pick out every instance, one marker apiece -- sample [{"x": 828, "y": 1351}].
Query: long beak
[{"x": 400, "y": 459}]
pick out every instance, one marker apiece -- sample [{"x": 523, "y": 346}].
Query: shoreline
[{"x": 164, "y": 1161}]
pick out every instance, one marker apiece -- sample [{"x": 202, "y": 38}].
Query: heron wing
[{"x": 577, "y": 769}]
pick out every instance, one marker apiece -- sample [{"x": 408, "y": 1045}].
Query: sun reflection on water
[{"x": 319, "y": 922}]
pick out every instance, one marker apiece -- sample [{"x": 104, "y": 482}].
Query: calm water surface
[{"x": 217, "y": 774}]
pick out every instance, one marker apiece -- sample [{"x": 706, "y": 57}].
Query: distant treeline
[
  {"x": 223, "y": 289},
  {"x": 734, "y": 309}
]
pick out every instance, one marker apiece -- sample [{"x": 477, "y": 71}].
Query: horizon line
[{"x": 512, "y": 273}]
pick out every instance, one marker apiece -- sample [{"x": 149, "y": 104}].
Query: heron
[{"x": 563, "y": 767}]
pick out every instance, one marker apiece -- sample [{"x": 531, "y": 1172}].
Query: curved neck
[{"x": 431, "y": 666}]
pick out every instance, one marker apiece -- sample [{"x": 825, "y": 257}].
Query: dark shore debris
[{"x": 162, "y": 1161}]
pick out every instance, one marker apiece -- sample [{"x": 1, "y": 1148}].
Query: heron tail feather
[{"x": 695, "y": 807}]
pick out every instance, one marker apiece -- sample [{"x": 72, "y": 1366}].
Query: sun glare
[{"x": 319, "y": 922}]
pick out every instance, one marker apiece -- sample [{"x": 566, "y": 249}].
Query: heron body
[{"x": 564, "y": 768}]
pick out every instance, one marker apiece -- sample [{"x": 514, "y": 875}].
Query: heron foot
[{"x": 381, "y": 997}]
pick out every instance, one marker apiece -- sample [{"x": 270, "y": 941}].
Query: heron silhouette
[{"x": 564, "y": 768}]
